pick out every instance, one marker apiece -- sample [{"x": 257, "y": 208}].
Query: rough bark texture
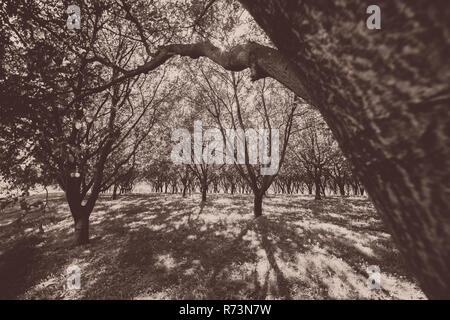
[
  {"x": 385, "y": 94},
  {"x": 80, "y": 213},
  {"x": 257, "y": 205},
  {"x": 81, "y": 234}
]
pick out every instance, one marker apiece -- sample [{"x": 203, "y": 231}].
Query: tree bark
[
  {"x": 257, "y": 205},
  {"x": 204, "y": 191},
  {"x": 81, "y": 235},
  {"x": 80, "y": 213},
  {"x": 385, "y": 95},
  {"x": 114, "y": 195}
]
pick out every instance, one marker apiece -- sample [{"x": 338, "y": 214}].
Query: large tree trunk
[
  {"x": 385, "y": 95},
  {"x": 80, "y": 213},
  {"x": 81, "y": 235},
  {"x": 257, "y": 204}
]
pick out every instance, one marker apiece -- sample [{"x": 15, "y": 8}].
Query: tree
[
  {"x": 236, "y": 106},
  {"x": 314, "y": 149},
  {"x": 49, "y": 124}
]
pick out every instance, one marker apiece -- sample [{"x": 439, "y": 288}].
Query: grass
[{"x": 167, "y": 247}]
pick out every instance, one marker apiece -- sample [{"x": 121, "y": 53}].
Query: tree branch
[{"x": 263, "y": 62}]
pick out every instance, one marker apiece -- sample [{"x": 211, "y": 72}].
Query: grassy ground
[{"x": 166, "y": 247}]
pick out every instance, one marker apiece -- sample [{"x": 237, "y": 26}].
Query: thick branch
[{"x": 263, "y": 62}]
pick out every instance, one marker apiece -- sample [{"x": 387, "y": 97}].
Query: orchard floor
[{"x": 158, "y": 246}]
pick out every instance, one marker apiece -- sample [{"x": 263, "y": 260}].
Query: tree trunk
[
  {"x": 355, "y": 189},
  {"x": 384, "y": 94},
  {"x": 310, "y": 188},
  {"x": 81, "y": 235},
  {"x": 323, "y": 187},
  {"x": 257, "y": 204},
  {"x": 342, "y": 189},
  {"x": 204, "y": 191},
  {"x": 318, "y": 189},
  {"x": 114, "y": 195}
]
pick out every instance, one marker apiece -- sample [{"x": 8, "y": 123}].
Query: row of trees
[
  {"x": 313, "y": 164},
  {"x": 308, "y": 156},
  {"x": 291, "y": 180}
]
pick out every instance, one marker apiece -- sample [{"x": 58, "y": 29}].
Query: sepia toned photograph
[{"x": 226, "y": 155}]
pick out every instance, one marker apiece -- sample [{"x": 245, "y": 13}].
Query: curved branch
[{"x": 263, "y": 62}]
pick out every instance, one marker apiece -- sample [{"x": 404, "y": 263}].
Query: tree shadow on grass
[
  {"x": 15, "y": 266},
  {"x": 332, "y": 254},
  {"x": 181, "y": 261},
  {"x": 21, "y": 266},
  {"x": 160, "y": 247},
  {"x": 282, "y": 283}
]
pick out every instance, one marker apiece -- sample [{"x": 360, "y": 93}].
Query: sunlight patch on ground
[{"x": 162, "y": 247}]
